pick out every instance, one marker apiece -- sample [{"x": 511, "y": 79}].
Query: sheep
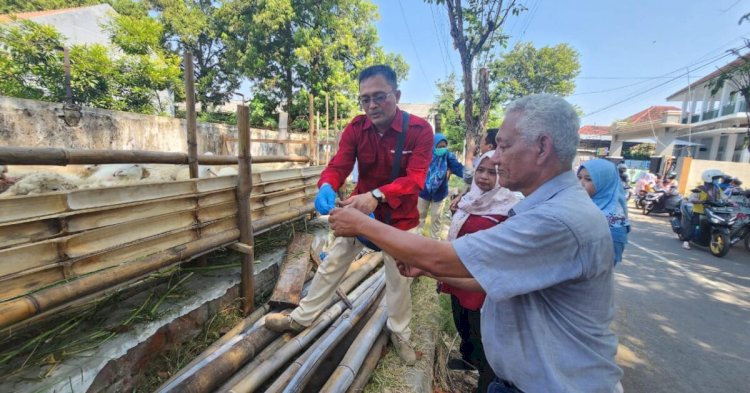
[
  {"x": 113, "y": 175},
  {"x": 227, "y": 171},
  {"x": 40, "y": 183},
  {"x": 5, "y": 181}
]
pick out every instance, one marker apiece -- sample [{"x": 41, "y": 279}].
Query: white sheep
[
  {"x": 228, "y": 171},
  {"x": 40, "y": 183}
]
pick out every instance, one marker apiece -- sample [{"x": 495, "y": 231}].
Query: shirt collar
[
  {"x": 396, "y": 124},
  {"x": 546, "y": 191}
]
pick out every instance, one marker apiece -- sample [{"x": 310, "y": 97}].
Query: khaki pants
[
  {"x": 435, "y": 209},
  {"x": 330, "y": 273}
]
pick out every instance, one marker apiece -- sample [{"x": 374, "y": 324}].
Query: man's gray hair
[{"x": 548, "y": 114}]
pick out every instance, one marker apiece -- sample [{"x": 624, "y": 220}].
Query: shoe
[
  {"x": 281, "y": 323},
  {"x": 456, "y": 364},
  {"x": 404, "y": 349},
  {"x": 686, "y": 245}
]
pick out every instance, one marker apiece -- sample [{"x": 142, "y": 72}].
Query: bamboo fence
[{"x": 50, "y": 242}]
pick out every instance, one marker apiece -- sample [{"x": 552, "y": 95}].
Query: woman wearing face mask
[{"x": 436, "y": 186}]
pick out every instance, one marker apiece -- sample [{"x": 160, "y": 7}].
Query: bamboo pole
[
  {"x": 324, "y": 346},
  {"x": 376, "y": 352},
  {"x": 190, "y": 116},
  {"x": 257, "y": 376},
  {"x": 26, "y": 306},
  {"x": 243, "y": 201},
  {"x": 313, "y": 141},
  {"x": 264, "y": 355},
  {"x": 221, "y": 364},
  {"x": 293, "y": 272},
  {"x": 348, "y": 368},
  {"x": 62, "y": 157},
  {"x": 328, "y": 128},
  {"x": 241, "y": 328}
]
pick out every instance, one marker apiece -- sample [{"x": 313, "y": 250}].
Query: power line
[
  {"x": 625, "y": 77},
  {"x": 439, "y": 39},
  {"x": 411, "y": 39},
  {"x": 448, "y": 39},
  {"x": 707, "y": 63}
]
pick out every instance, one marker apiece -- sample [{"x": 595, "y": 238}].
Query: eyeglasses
[{"x": 377, "y": 99}]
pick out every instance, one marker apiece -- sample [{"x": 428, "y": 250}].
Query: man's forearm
[{"x": 437, "y": 257}]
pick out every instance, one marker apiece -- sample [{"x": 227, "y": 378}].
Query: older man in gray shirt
[{"x": 547, "y": 270}]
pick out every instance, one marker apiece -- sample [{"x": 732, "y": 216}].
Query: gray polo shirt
[{"x": 548, "y": 274}]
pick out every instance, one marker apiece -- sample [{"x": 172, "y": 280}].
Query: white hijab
[{"x": 497, "y": 201}]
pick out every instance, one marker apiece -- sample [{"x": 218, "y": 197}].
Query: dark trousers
[{"x": 468, "y": 325}]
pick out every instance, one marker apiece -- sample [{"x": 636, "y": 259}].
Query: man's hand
[
  {"x": 365, "y": 203},
  {"x": 326, "y": 199},
  {"x": 346, "y": 222},
  {"x": 455, "y": 201},
  {"x": 410, "y": 271}
]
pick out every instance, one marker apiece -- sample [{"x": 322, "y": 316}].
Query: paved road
[{"x": 683, "y": 316}]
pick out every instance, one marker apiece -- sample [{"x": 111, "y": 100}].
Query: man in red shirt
[{"x": 371, "y": 140}]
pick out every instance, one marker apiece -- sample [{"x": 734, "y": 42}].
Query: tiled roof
[
  {"x": 650, "y": 114},
  {"x": 37, "y": 14},
  {"x": 594, "y": 130}
]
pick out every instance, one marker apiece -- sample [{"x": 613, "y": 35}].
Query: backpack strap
[{"x": 398, "y": 152}]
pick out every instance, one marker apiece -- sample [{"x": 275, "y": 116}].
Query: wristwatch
[{"x": 378, "y": 195}]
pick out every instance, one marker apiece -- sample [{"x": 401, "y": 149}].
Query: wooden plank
[
  {"x": 29, "y": 256},
  {"x": 286, "y": 197},
  {"x": 132, "y": 252},
  {"x": 29, "y": 206},
  {"x": 213, "y": 213},
  {"x": 216, "y": 183},
  {"x": 217, "y": 198},
  {"x": 82, "y": 222},
  {"x": 99, "y": 197},
  {"x": 293, "y": 271},
  {"x": 283, "y": 207},
  {"x": 26, "y": 232},
  {"x": 17, "y": 285},
  {"x": 110, "y": 237},
  {"x": 219, "y": 226}
]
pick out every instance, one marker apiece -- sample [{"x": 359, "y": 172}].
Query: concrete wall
[
  {"x": 690, "y": 170},
  {"x": 32, "y": 123}
]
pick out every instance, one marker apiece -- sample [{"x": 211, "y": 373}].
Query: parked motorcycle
[
  {"x": 661, "y": 202},
  {"x": 714, "y": 229}
]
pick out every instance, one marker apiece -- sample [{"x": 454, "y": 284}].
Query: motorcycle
[
  {"x": 714, "y": 230},
  {"x": 661, "y": 202},
  {"x": 638, "y": 199}
]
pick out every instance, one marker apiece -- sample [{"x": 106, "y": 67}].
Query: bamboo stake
[
  {"x": 192, "y": 140},
  {"x": 264, "y": 355},
  {"x": 328, "y": 128},
  {"x": 260, "y": 374},
  {"x": 376, "y": 352},
  {"x": 62, "y": 157},
  {"x": 243, "y": 201},
  {"x": 348, "y": 368},
  {"x": 324, "y": 346},
  {"x": 313, "y": 142}
]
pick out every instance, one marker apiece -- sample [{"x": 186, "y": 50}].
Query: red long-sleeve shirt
[{"x": 374, "y": 154}]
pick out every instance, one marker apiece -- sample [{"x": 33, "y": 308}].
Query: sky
[{"x": 633, "y": 53}]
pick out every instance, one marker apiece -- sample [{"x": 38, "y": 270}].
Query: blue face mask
[{"x": 441, "y": 151}]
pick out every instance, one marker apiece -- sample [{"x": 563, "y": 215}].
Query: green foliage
[
  {"x": 527, "y": 70},
  {"x": 18, "y": 6},
  {"x": 641, "y": 151},
  {"x": 286, "y": 46},
  {"x": 32, "y": 67}
]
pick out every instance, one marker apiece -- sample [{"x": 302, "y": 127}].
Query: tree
[
  {"x": 527, "y": 70},
  {"x": 641, "y": 151},
  {"x": 476, "y": 27},
  {"x": 18, "y": 6},
  {"x": 32, "y": 67},
  {"x": 290, "y": 48},
  {"x": 737, "y": 77}
]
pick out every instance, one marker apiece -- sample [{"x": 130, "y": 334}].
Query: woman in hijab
[
  {"x": 601, "y": 181},
  {"x": 484, "y": 206},
  {"x": 436, "y": 185}
]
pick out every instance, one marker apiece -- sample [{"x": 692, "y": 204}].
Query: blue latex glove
[{"x": 326, "y": 199}]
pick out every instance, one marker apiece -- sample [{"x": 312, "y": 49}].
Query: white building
[{"x": 717, "y": 123}]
